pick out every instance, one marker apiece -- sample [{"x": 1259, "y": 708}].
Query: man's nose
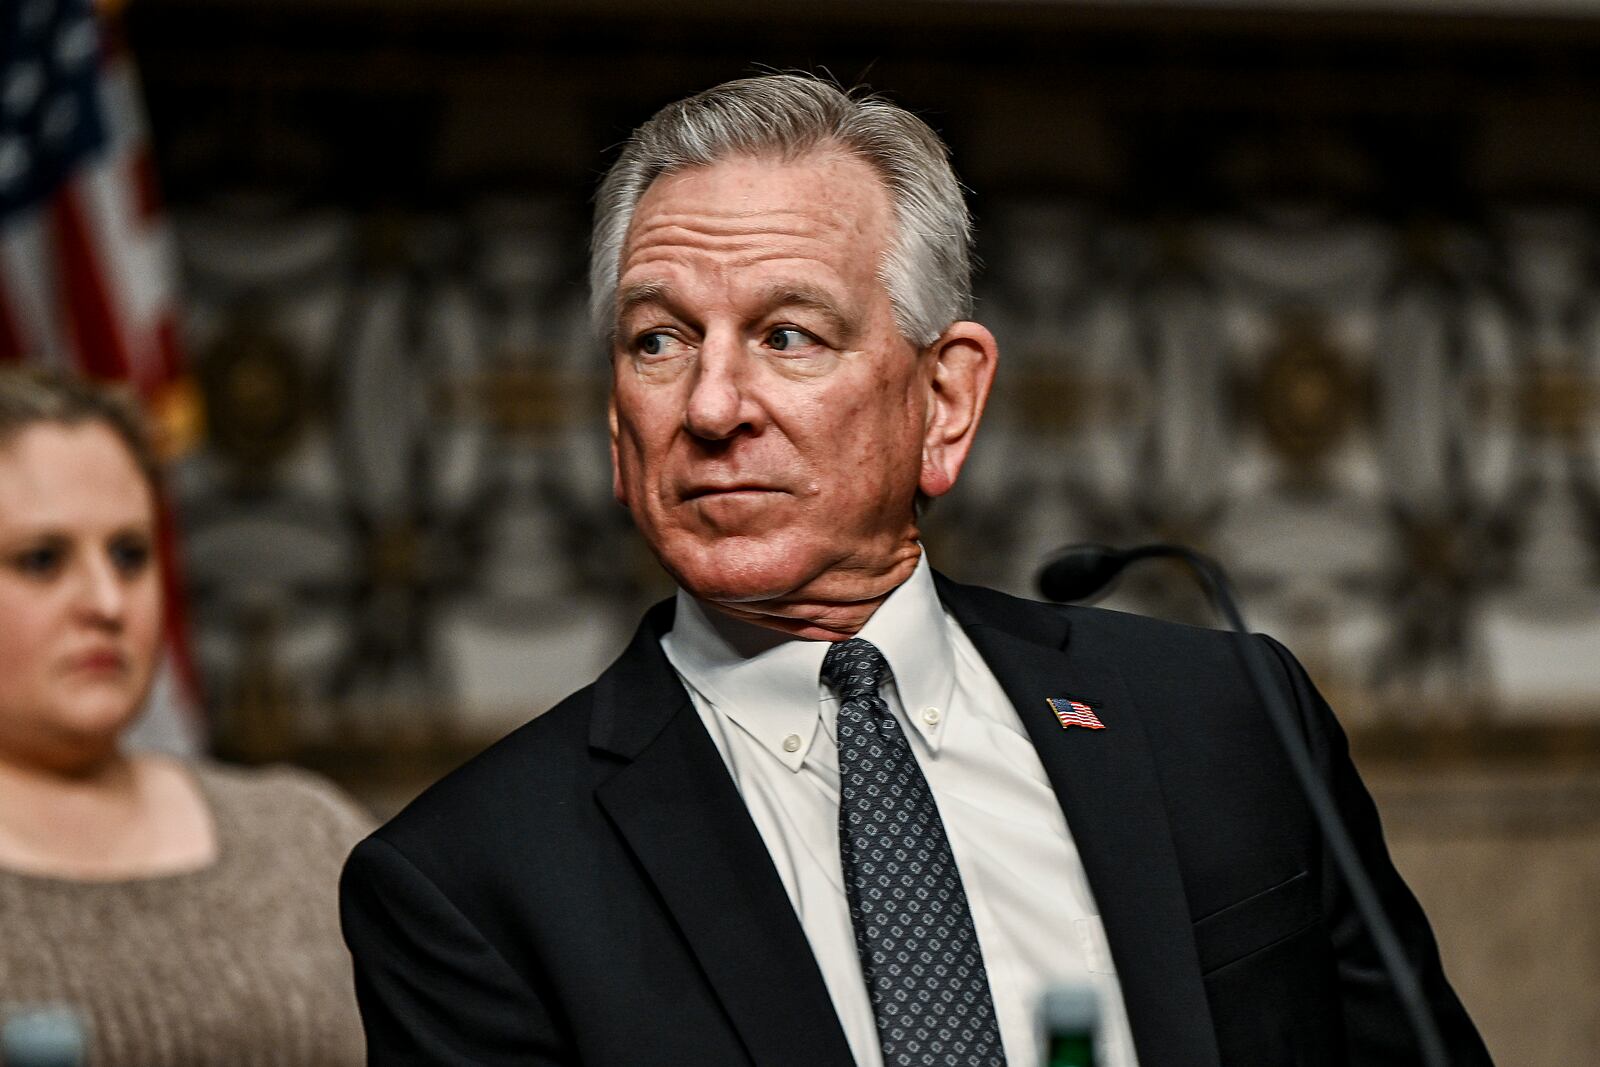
[{"x": 721, "y": 402}]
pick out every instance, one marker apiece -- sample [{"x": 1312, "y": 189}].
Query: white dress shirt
[{"x": 761, "y": 697}]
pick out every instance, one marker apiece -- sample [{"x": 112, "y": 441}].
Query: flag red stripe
[
  {"x": 146, "y": 188},
  {"x": 179, "y": 647},
  {"x": 90, "y": 316},
  {"x": 10, "y": 335},
  {"x": 169, "y": 348}
]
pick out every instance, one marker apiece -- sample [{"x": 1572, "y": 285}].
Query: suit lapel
[
  {"x": 675, "y": 804},
  {"x": 1107, "y": 785}
]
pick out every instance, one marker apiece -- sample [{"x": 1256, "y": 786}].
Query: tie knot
[{"x": 854, "y": 668}]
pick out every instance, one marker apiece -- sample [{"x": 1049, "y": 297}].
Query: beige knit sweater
[{"x": 239, "y": 963}]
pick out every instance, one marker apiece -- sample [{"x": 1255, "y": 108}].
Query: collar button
[
  {"x": 791, "y": 743},
  {"x": 931, "y": 716}
]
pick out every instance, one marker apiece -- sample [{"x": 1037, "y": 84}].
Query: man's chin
[
  {"x": 740, "y": 570},
  {"x": 800, "y": 585},
  {"x": 745, "y": 585}
]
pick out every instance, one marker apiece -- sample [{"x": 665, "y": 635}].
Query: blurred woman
[{"x": 187, "y": 912}]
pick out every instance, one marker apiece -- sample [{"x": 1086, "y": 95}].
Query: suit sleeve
[
  {"x": 431, "y": 989},
  {"x": 1377, "y": 1029}
]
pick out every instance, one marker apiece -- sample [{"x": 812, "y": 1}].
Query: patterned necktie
[{"x": 919, "y": 951}]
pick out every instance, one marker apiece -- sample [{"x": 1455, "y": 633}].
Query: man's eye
[
  {"x": 787, "y": 337},
  {"x": 41, "y": 562},
  {"x": 130, "y": 555},
  {"x": 655, "y": 343}
]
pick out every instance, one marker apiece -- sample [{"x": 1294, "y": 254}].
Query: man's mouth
[{"x": 705, "y": 491}]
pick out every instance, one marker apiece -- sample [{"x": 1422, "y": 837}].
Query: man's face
[{"x": 768, "y": 417}]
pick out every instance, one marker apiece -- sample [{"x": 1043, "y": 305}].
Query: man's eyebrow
[
  {"x": 643, "y": 293},
  {"x": 780, "y": 295},
  {"x": 812, "y": 298}
]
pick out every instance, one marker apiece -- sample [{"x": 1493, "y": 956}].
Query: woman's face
[{"x": 80, "y": 592}]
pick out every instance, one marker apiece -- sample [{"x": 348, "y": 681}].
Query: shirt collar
[
  {"x": 909, "y": 629},
  {"x": 771, "y": 685}
]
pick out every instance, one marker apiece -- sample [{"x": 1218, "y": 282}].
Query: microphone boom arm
[{"x": 1345, "y": 856}]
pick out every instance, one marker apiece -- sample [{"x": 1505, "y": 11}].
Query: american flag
[
  {"x": 87, "y": 267},
  {"x": 1071, "y": 712}
]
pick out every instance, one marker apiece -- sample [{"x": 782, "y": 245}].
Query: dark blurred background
[{"x": 1309, "y": 285}]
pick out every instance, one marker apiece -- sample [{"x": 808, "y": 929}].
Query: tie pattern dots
[{"x": 919, "y": 951}]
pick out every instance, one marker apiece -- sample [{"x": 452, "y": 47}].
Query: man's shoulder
[
  {"x": 546, "y": 769},
  {"x": 1117, "y": 635},
  {"x": 539, "y": 764}
]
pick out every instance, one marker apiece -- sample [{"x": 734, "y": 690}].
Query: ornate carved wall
[
  {"x": 1388, "y": 432},
  {"x": 1317, "y": 294},
  {"x": 1322, "y": 302}
]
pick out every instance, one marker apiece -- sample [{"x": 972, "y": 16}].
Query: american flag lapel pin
[{"x": 1070, "y": 712}]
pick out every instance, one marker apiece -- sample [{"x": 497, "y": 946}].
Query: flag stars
[
  {"x": 23, "y": 87},
  {"x": 36, "y": 15},
  {"x": 14, "y": 160},
  {"x": 76, "y": 45},
  {"x": 49, "y": 97},
  {"x": 60, "y": 119}
]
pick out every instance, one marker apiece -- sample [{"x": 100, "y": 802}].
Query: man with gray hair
[{"x": 830, "y": 807}]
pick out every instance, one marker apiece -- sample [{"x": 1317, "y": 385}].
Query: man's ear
[
  {"x": 962, "y": 373},
  {"x": 616, "y": 468}
]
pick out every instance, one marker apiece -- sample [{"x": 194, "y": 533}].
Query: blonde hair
[{"x": 32, "y": 396}]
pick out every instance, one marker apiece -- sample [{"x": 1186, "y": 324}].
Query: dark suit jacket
[{"x": 591, "y": 889}]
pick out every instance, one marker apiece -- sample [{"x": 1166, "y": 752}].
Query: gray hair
[
  {"x": 927, "y": 268},
  {"x": 33, "y": 396}
]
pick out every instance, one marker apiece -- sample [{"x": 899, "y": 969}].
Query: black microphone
[{"x": 1080, "y": 571}]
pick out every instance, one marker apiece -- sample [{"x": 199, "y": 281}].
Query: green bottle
[
  {"x": 1070, "y": 1015},
  {"x": 1070, "y": 1050}
]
